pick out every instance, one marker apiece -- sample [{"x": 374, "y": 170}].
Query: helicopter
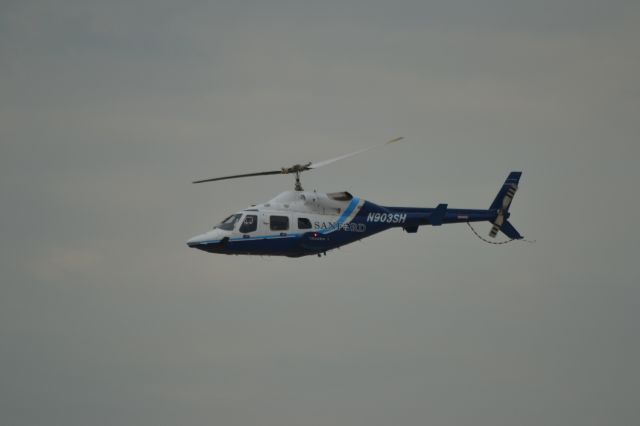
[{"x": 300, "y": 223}]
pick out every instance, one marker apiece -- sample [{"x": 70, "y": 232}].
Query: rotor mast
[
  {"x": 298, "y": 186},
  {"x": 297, "y": 170}
]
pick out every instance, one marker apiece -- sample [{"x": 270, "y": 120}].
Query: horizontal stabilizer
[{"x": 437, "y": 216}]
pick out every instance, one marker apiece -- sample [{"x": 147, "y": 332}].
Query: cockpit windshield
[{"x": 229, "y": 223}]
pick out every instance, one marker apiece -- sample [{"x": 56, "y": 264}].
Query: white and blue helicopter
[{"x": 301, "y": 223}]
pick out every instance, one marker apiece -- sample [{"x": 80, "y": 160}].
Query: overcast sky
[{"x": 109, "y": 109}]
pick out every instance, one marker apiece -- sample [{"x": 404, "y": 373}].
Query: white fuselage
[{"x": 288, "y": 215}]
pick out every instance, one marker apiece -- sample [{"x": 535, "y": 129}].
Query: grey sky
[{"x": 109, "y": 109}]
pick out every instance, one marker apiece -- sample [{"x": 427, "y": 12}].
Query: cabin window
[
  {"x": 304, "y": 223},
  {"x": 249, "y": 224},
  {"x": 279, "y": 223}
]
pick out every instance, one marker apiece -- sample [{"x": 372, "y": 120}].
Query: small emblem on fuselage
[{"x": 334, "y": 226}]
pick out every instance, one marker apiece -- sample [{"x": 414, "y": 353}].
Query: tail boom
[{"x": 498, "y": 212}]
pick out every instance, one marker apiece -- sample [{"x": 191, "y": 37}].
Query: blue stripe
[
  {"x": 264, "y": 237},
  {"x": 258, "y": 237},
  {"x": 352, "y": 205}
]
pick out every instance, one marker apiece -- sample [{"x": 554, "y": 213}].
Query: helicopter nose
[{"x": 197, "y": 240}]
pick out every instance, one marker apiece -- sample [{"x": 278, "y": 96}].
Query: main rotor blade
[
  {"x": 273, "y": 172},
  {"x": 342, "y": 157},
  {"x": 298, "y": 168}
]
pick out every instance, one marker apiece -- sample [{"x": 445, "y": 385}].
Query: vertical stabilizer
[{"x": 501, "y": 203}]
